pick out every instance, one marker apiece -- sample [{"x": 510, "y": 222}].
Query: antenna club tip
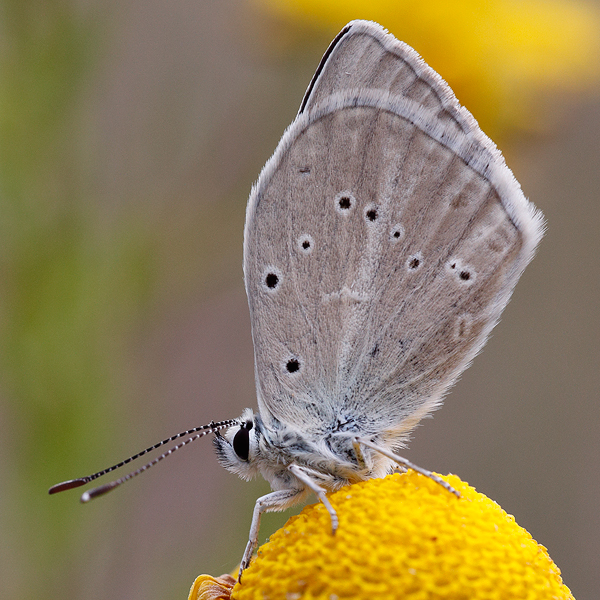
[
  {"x": 212, "y": 427},
  {"x": 99, "y": 491},
  {"x": 67, "y": 485}
]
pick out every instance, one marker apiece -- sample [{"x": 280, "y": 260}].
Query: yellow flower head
[{"x": 399, "y": 537}]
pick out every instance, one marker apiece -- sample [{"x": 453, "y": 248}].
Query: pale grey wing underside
[{"x": 381, "y": 245}]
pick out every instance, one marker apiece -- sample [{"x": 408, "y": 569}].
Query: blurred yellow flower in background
[
  {"x": 504, "y": 59},
  {"x": 403, "y": 536}
]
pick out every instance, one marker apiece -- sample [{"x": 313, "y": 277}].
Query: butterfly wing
[{"x": 383, "y": 239}]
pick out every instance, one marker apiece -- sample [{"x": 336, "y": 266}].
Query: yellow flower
[
  {"x": 505, "y": 59},
  {"x": 400, "y": 537}
]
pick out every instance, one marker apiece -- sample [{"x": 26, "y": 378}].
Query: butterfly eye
[{"x": 241, "y": 441}]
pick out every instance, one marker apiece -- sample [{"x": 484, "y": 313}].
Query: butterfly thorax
[{"x": 329, "y": 454}]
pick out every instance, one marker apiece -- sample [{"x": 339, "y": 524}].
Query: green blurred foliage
[{"x": 67, "y": 294}]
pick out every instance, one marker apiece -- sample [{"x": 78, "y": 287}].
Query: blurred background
[{"x": 130, "y": 134}]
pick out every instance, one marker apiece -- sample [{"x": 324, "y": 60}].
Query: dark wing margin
[{"x": 321, "y": 66}]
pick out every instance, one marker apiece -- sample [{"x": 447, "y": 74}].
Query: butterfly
[{"x": 383, "y": 240}]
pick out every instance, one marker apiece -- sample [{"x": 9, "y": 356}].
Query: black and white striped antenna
[{"x": 195, "y": 433}]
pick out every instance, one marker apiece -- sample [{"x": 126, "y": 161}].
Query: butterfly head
[{"x": 238, "y": 447}]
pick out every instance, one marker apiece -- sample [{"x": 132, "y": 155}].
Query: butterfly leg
[
  {"x": 303, "y": 475},
  {"x": 270, "y": 502},
  {"x": 358, "y": 453},
  {"x": 406, "y": 463}
]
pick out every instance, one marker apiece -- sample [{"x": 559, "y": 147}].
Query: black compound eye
[{"x": 241, "y": 441}]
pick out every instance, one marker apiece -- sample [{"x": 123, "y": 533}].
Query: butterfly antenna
[{"x": 199, "y": 432}]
